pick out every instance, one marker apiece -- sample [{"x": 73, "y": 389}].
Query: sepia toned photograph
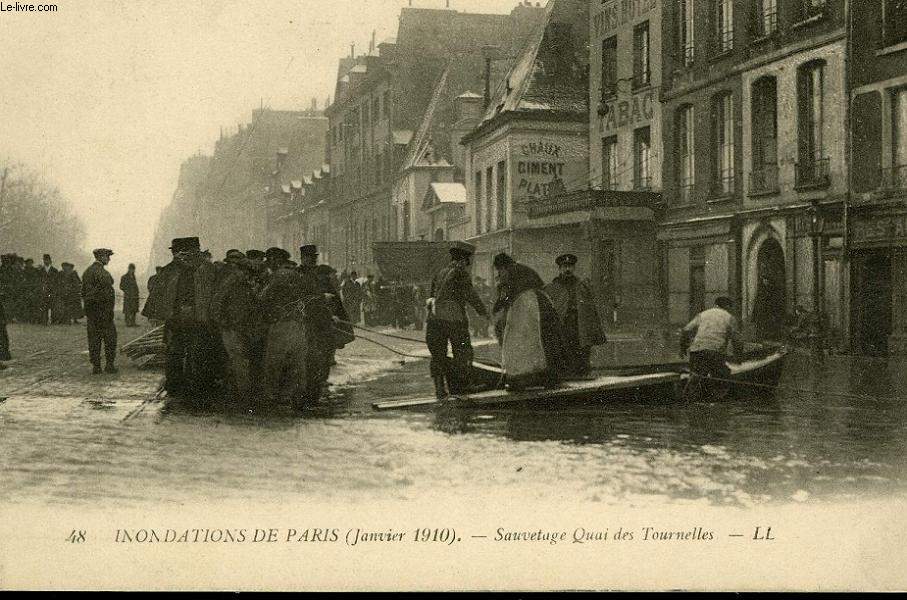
[{"x": 453, "y": 295}]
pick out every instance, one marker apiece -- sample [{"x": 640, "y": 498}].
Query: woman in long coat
[{"x": 527, "y": 326}]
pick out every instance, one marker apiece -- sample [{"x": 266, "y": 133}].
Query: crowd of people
[
  {"x": 45, "y": 295},
  {"x": 255, "y": 325}
]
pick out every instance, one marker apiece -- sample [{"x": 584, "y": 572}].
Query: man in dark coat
[
  {"x": 50, "y": 285},
  {"x": 574, "y": 301},
  {"x": 4, "y": 337},
  {"x": 290, "y": 302},
  {"x": 351, "y": 294},
  {"x": 70, "y": 299},
  {"x": 130, "y": 288},
  {"x": 235, "y": 309},
  {"x": 182, "y": 300},
  {"x": 451, "y": 291},
  {"x": 100, "y": 299}
]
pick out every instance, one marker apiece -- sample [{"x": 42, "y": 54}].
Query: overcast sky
[{"x": 106, "y": 98}]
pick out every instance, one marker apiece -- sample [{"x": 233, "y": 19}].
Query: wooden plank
[{"x": 567, "y": 390}]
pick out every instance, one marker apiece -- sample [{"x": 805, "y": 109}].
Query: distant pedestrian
[
  {"x": 70, "y": 295},
  {"x": 100, "y": 299},
  {"x": 50, "y": 282},
  {"x": 130, "y": 288},
  {"x": 351, "y": 294},
  {"x": 4, "y": 338}
]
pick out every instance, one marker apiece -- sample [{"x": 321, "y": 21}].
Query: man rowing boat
[{"x": 707, "y": 337}]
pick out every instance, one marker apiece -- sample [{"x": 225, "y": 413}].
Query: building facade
[
  {"x": 755, "y": 166},
  {"x": 877, "y": 217},
  {"x": 379, "y": 126}
]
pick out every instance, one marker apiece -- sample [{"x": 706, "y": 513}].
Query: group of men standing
[
  {"x": 545, "y": 333},
  {"x": 256, "y": 322},
  {"x": 45, "y": 295},
  {"x": 41, "y": 294}
]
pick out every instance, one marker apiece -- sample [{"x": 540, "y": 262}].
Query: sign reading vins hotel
[{"x": 619, "y": 13}]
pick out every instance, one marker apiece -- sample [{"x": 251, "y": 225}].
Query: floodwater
[{"x": 835, "y": 430}]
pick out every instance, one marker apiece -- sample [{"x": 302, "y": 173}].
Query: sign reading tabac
[{"x": 629, "y": 112}]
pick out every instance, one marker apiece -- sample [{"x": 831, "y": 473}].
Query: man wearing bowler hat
[
  {"x": 451, "y": 291},
  {"x": 100, "y": 298},
  {"x": 181, "y": 299},
  {"x": 574, "y": 301}
]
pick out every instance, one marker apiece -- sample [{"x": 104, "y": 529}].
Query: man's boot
[
  {"x": 96, "y": 369},
  {"x": 111, "y": 368},
  {"x": 440, "y": 390}
]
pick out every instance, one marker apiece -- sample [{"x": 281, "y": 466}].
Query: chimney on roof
[
  {"x": 489, "y": 53},
  {"x": 371, "y": 45},
  {"x": 352, "y": 50},
  {"x": 314, "y": 104}
]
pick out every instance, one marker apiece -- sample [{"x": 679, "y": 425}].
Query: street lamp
[{"x": 816, "y": 229}]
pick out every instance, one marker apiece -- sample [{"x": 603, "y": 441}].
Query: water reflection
[{"x": 833, "y": 429}]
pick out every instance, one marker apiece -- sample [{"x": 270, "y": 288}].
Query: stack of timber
[{"x": 147, "y": 351}]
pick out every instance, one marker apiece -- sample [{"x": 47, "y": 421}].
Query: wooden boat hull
[{"x": 753, "y": 376}]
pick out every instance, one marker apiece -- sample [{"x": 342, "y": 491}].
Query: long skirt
[{"x": 532, "y": 346}]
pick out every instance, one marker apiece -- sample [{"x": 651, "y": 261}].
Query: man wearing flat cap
[
  {"x": 235, "y": 309},
  {"x": 291, "y": 302},
  {"x": 574, "y": 301},
  {"x": 99, "y": 298},
  {"x": 451, "y": 291}
]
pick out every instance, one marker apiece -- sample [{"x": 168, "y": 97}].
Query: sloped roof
[
  {"x": 422, "y": 141},
  {"x": 529, "y": 86},
  {"x": 439, "y": 194}
]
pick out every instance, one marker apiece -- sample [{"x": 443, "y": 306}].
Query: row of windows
[
  {"x": 491, "y": 199},
  {"x": 812, "y": 165},
  {"x": 368, "y": 114},
  {"x": 612, "y": 169},
  {"x": 763, "y": 17},
  {"x": 642, "y": 66}
]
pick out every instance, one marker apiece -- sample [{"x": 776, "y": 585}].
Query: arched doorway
[
  {"x": 770, "y": 302},
  {"x": 439, "y": 235}
]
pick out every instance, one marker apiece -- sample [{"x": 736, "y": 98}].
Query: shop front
[
  {"x": 878, "y": 299},
  {"x": 700, "y": 264}
]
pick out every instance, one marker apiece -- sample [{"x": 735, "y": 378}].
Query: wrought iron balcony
[
  {"x": 685, "y": 192},
  {"x": 642, "y": 184},
  {"x": 764, "y": 179},
  {"x": 810, "y": 9},
  {"x": 723, "y": 186},
  {"x": 812, "y": 173},
  {"x": 689, "y": 54},
  {"x": 895, "y": 178},
  {"x": 724, "y": 41},
  {"x": 767, "y": 22}
]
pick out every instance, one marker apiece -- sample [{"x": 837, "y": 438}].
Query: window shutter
[{"x": 867, "y": 141}]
